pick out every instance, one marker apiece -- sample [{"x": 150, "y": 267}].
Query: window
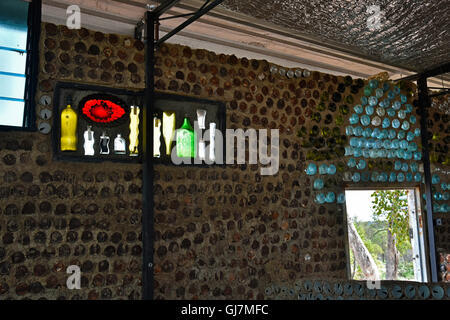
[
  {"x": 385, "y": 235},
  {"x": 18, "y": 62}
]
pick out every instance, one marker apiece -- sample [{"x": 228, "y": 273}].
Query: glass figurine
[
  {"x": 104, "y": 144},
  {"x": 156, "y": 137},
  {"x": 134, "y": 131},
  {"x": 89, "y": 142},
  {"x": 168, "y": 129}
]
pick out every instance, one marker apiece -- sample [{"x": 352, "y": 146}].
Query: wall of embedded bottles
[
  {"x": 380, "y": 143},
  {"x": 439, "y": 132},
  {"x": 59, "y": 213},
  {"x": 220, "y": 232}
]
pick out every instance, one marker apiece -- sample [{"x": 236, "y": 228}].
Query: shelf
[{"x": 80, "y": 92}]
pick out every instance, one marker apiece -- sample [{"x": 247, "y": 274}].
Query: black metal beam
[
  {"x": 424, "y": 103},
  {"x": 163, "y": 7},
  {"x": 32, "y": 63},
  {"x": 428, "y": 73},
  {"x": 446, "y": 91},
  {"x": 151, "y": 22},
  {"x": 148, "y": 172},
  {"x": 195, "y": 16}
]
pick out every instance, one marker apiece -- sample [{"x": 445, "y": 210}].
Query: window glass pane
[
  {"x": 11, "y": 113},
  {"x": 12, "y": 87},
  {"x": 13, "y": 24},
  {"x": 13, "y": 62}
]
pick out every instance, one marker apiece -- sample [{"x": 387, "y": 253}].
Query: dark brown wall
[
  {"x": 439, "y": 128},
  {"x": 56, "y": 214},
  {"x": 220, "y": 232}
]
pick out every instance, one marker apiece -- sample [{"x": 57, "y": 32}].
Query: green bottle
[{"x": 185, "y": 140}]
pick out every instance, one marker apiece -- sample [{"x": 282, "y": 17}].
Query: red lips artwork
[{"x": 102, "y": 110}]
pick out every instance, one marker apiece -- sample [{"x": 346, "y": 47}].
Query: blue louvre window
[{"x": 13, "y": 61}]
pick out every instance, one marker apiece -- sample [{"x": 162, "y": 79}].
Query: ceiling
[
  {"x": 412, "y": 34},
  {"x": 334, "y": 40}
]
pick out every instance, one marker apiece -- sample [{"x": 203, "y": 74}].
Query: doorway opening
[{"x": 385, "y": 235}]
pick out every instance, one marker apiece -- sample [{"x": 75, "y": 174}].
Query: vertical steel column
[
  {"x": 32, "y": 63},
  {"x": 147, "y": 194},
  {"x": 424, "y": 103}
]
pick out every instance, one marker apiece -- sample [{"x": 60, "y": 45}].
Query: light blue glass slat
[
  {"x": 12, "y": 87},
  {"x": 13, "y": 62},
  {"x": 11, "y": 113},
  {"x": 13, "y": 23}
]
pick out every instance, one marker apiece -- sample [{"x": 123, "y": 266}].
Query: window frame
[
  {"x": 425, "y": 249},
  {"x": 31, "y": 69}
]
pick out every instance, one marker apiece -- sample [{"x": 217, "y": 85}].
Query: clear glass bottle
[{"x": 119, "y": 145}]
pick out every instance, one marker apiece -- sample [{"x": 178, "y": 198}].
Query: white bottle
[
  {"x": 201, "y": 149},
  {"x": 119, "y": 145},
  {"x": 89, "y": 142},
  {"x": 212, "y": 144},
  {"x": 201, "y": 118}
]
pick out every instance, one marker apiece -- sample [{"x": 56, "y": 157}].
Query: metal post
[
  {"x": 32, "y": 62},
  {"x": 424, "y": 103},
  {"x": 147, "y": 195},
  {"x": 203, "y": 10}
]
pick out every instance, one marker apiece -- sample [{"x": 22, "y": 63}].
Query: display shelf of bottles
[
  {"x": 186, "y": 130},
  {"x": 96, "y": 124}
]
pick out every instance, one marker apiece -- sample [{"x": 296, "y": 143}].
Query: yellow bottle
[
  {"x": 156, "y": 137},
  {"x": 68, "y": 129},
  {"x": 134, "y": 131},
  {"x": 168, "y": 129}
]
